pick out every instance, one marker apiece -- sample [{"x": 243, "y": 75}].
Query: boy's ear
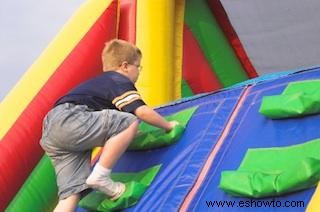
[{"x": 124, "y": 66}]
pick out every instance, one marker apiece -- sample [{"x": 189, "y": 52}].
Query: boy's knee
[{"x": 135, "y": 125}]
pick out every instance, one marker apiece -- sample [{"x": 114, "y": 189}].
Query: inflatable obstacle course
[{"x": 180, "y": 59}]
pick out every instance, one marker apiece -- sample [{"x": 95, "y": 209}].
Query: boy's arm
[{"x": 150, "y": 116}]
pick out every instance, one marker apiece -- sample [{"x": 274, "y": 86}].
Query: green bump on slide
[
  {"x": 274, "y": 171},
  {"x": 151, "y": 137},
  {"x": 307, "y": 86},
  {"x": 136, "y": 185},
  {"x": 298, "y": 99},
  {"x": 156, "y": 139},
  {"x": 290, "y": 105}
]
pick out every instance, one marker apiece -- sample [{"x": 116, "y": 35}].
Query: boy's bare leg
[
  {"x": 112, "y": 150},
  {"x": 68, "y": 205},
  {"x": 117, "y": 145}
]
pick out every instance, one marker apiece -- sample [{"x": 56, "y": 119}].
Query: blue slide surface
[{"x": 235, "y": 111}]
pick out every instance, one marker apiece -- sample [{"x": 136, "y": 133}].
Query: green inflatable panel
[
  {"x": 213, "y": 43},
  {"x": 298, "y": 99},
  {"x": 136, "y": 185},
  {"x": 185, "y": 89},
  {"x": 151, "y": 137},
  {"x": 39, "y": 192},
  {"x": 274, "y": 171}
]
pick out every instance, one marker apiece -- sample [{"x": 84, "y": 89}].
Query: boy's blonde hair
[{"x": 118, "y": 51}]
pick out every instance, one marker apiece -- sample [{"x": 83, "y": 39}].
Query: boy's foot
[
  {"x": 106, "y": 185},
  {"x": 122, "y": 189}
]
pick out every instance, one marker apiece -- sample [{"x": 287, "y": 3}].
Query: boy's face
[{"x": 133, "y": 70}]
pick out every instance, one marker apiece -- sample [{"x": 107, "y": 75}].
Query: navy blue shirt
[{"x": 109, "y": 90}]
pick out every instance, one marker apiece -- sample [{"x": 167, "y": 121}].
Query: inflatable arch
[{"x": 189, "y": 47}]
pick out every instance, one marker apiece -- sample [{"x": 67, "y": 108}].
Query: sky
[{"x": 27, "y": 28}]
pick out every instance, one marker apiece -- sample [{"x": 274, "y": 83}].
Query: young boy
[{"x": 99, "y": 112}]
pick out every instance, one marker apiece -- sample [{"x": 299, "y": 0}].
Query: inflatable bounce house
[{"x": 248, "y": 98}]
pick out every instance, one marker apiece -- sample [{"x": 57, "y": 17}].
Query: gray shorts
[{"x": 69, "y": 134}]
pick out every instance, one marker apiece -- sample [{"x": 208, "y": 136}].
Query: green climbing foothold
[
  {"x": 151, "y": 137},
  {"x": 136, "y": 185},
  {"x": 274, "y": 171}
]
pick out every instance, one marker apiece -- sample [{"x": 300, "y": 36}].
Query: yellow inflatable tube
[{"x": 156, "y": 37}]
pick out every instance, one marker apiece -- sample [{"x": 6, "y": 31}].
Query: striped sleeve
[{"x": 128, "y": 101}]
